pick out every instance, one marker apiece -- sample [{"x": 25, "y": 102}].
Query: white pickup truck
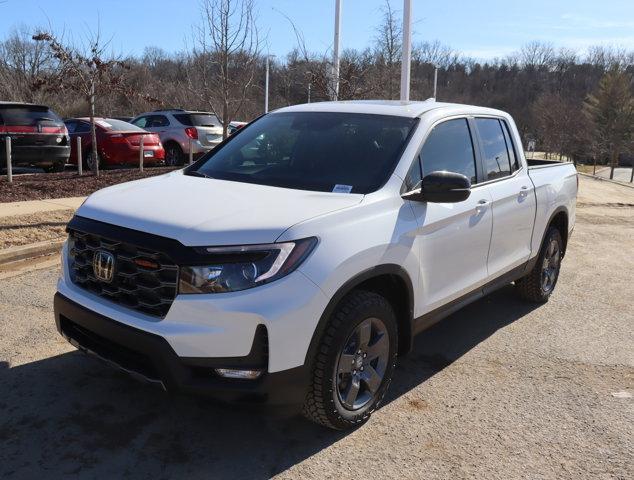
[{"x": 296, "y": 261}]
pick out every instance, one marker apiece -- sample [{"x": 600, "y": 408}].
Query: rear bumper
[
  {"x": 151, "y": 357},
  {"x": 36, "y": 155}
]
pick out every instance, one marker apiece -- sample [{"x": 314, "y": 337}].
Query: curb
[
  {"x": 615, "y": 182},
  {"x": 23, "y": 252}
]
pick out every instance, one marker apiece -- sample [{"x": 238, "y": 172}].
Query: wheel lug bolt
[
  {"x": 365, "y": 355},
  {"x": 361, "y": 368}
]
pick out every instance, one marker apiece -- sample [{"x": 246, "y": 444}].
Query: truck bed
[{"x": 537, "y": 163}]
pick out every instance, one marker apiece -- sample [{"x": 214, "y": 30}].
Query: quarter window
[
  {"x": 496, "y": 157},
  {"x": 449, "y": 148}
]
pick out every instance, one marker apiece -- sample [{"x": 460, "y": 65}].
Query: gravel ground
[
  {"x": 41, "y": 186},
  {"x": 25, "y": 229},
  {"x": 500, "y": 390}
]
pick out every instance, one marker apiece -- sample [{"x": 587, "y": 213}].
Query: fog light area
[{"x": 234, "y": 373}]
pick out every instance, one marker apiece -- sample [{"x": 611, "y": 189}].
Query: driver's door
[{"x": 453, "y": 238}]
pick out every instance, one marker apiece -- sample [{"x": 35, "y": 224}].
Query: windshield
[
  {"x": 321, "y": 151},
  {"x": 197, "y": 119}
]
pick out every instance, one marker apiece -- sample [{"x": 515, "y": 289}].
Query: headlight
[{"x": 237, "y": 268}]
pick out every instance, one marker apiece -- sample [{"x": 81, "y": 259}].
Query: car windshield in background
[
  {"x": 197, "y": 119},
  {"x": 27, "y": 116},
  {"x": 118, "y": 125},
  {"x": 321, "y": 151}
]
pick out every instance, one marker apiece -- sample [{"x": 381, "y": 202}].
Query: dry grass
[{"x": 37, "y": 227}]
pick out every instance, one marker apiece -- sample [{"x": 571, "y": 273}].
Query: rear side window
[
  {"x": 27, "y": 115},
  {"x": 197, "y": 119},
  {"x": 496, "y": 158},
  {"x": 159, "y": 121},
  {"x": 82, "y": 127},
  {"x": 449, "y": 148},
  {"x": 515, "y": 165}
]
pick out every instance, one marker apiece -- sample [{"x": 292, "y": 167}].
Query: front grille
[{"x": 143, "y": 280}]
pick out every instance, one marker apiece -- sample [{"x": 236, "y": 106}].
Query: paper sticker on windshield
[{"x": 342, "y": 189}]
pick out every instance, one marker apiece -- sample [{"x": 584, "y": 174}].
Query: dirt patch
[
  {"x": 37, "y": 227},
  {"x": 41, "y": 186}
]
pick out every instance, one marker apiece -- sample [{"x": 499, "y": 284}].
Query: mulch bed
[{"x": 42, "y": 186}]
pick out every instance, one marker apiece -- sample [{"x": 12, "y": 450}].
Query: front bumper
[{"x": 151, "y": 357}]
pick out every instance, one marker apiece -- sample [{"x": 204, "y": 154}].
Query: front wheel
[
  {"x": 354, "y": 362},
  {"x": 539, "y": 284},
  {"x": 174, "y": 155}
]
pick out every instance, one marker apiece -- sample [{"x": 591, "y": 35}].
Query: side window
[
  {"x": 160, "y": 121},
  {"x": 449, "y": 147},
  {"x": 414, "y": 176},
  {"x": 71, "y": 126},
  {"x": 515, "y": 164},
  {"x": 82, "y": 127},
  {"x": 141, "y": 122},
  {"x": 496, "y": 156}
]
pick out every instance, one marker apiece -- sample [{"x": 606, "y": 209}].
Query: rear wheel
[
  {"x": 539, "y": 284},
  {"x": 354, "y": 363},
  {"x": 89, "y": 161},
  {"x": 173, "y": 154}
]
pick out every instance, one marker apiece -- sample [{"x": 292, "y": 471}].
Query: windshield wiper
[{"x": 196, "y": 173}]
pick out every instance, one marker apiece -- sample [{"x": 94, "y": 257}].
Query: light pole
[
  {"x": 335, "y": 52},
  {"x": 435, "y": 81},
  {"x": 406, "y": 58},
  {"x": 266, "y": 85}
]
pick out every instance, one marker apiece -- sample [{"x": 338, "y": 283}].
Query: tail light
[
  {"x": 117, "y": 138},
  {"x": 59, "y": 130},
  {"x": 18, "y": 129},
  {"x": 192, "y": 133}
]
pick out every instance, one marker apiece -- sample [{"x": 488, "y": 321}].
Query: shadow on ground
[{"x": 71, "y": 415}]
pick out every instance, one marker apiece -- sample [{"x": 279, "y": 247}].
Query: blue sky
[{"x": 479, "y": 28}]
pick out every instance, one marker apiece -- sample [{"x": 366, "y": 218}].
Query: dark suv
[{"x": 38, "y": 136}]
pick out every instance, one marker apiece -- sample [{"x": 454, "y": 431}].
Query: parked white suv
[
  {"x": 178, "y": 128},
  {"x": 294, "y": 263}
]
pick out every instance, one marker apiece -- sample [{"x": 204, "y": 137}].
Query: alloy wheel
[
  {"x": 550, "y": 266},
  {"x": 362, "y": 364}
]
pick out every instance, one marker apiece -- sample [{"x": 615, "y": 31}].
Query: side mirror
[{"x": 441, "y": 187}]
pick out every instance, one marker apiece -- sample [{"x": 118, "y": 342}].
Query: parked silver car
[{"x": 177, "y": 128}]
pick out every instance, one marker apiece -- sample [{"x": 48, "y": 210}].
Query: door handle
[
  {"x": 482, "y": 205},
  {"x": 524, "y": 191}
]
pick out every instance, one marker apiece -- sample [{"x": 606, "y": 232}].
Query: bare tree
[
  {"x": 225, "y": 57},
  {"x": 388, "y": 49},
  {"x": 537, "y": 55},
  {"x": 87, "y": 71},
  {"x": 22, "y": 61}
]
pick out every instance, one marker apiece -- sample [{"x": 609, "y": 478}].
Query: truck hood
[{"x": 203, "y": 212}]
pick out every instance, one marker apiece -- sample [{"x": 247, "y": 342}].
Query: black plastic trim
[
  {"x": 386, "y": 269},
  {"x": 184, "y": 374}
]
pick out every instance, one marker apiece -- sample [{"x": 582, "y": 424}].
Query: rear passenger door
[
  {"x": 512, "y": 194},
  {"x": 453, "y": 238}
]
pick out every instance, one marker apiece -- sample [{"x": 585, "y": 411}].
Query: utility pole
[
  {"x": 335, "y": 52},
  {"x": 308, "y": 92},
  {"x": 406, "y": 58},
  {"x": 435, "y": 81},
  {"x": 266, "y": 87}
]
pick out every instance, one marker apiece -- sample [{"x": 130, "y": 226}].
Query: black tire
[
  {"x": 540, "y": 282},
  {"x": 87, "y": 161},
  {"x": 174, "y": 155},
  {"x": 58, "y": 167},
  {"x": 324, "y": 404}
]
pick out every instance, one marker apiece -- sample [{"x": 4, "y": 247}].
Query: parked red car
[{"x": 117, "y": 143}]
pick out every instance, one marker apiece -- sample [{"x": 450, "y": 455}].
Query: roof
[
  {"x": 410, "y": 109},
  {"x": 21, "y": 104}
]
